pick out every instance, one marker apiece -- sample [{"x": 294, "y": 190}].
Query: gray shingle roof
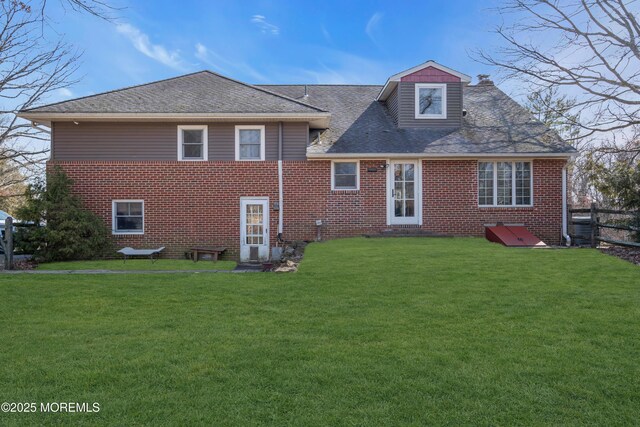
[
  {"x": 494, "y": 124},
  {"x": 201, "y": 92}
]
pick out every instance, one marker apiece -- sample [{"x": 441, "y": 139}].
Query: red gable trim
[{"x": 430, "y": 75}]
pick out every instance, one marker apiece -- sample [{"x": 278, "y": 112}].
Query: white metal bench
[{"x": 153, "y": 254}]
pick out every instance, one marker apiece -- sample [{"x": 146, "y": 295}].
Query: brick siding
[{"x": 198, "y": 203}]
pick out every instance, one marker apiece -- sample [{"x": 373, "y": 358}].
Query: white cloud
[
  {"x": 265, "y": 26},
  {"x": 224, "y": 65},
  {"x": 154, "y": 51},
  {"x": 372, "y": 24},
  {"x": 326, "y": 34},
  {"x": 65, "y": 93}
]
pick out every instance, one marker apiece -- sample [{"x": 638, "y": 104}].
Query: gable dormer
[{"x": 428, "y": 95}]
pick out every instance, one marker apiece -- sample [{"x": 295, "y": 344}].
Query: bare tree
[
  {"x": 32, "y": 68},
  {"x": 555, "y": 110},
  {"x": 592, "y": 46}
]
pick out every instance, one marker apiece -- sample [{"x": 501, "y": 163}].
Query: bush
[
  {"x": 62, "y": 229},
  {"x": 619, "y": 183}
]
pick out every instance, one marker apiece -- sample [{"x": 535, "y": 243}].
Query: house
[{"x": 203, "y": 159}]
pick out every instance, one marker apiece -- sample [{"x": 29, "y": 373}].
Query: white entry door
[
  {"x": 254, "y": 229},
  {"x": 404, "y": 192}
]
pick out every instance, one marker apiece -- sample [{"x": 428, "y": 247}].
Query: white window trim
[
  {"x": 442, "y": 86},
  {"x": 113, "y": 217},
  {"x": 261, "y": 128},
  {"x": 333, "y": 175},
  {"x": 495, "y": 183},
  {"x": 205, "y": 142}
]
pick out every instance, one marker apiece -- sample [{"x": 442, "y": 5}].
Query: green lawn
[
  {"x": 368, "y": 332},
  {"x": 139, "y": 264}
]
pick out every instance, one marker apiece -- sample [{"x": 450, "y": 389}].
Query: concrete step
[{"x": 248, "y": 267}]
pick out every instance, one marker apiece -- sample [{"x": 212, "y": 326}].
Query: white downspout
[
  {"x": 565, "y": 232},
  {"x": 280, "y": 183}
]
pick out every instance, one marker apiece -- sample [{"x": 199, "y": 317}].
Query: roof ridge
[
  {"x": 265, "y": 91},
  {"x": 115, "y": 90},
  {"x": 175, "y": 78},
  {"x": 320, "y": 84}
]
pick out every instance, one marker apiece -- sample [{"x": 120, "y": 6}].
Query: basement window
[
  {"x": 192, "y": 143},
  {"x": 345, "y": 175},
  {"x": 503, "y": 183},
  {"x": 128, "y": 217},
  {"x": 431, "y": 101}
]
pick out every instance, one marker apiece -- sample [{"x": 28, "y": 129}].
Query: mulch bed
[{"x": 628, "y": 254}]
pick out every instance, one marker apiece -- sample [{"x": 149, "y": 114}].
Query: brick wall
[
  {"x": 198, "y": 203},
  {"x": 451, "y": 192}
]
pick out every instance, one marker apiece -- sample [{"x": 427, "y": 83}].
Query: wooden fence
[
  {"x": 6, "y": 243},
  {"x": 596, "y": 224}
]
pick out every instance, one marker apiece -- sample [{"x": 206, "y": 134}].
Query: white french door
[
  {"x": 254, "y": 229},
  {"x": 404, "y": 192}
]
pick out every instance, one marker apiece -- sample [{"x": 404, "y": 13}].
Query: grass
[
  {"x": 139, "y": 264},
  {"x": 368, "y": 332}
]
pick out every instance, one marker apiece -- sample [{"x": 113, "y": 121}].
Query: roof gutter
[{"x": 329, "y": 156}]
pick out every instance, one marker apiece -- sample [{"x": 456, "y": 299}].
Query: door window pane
[
  {"x": 408, "y": 172},
  {"x": 397, "y": 172},
  {"x": 398, "y": 208},
  {"x": 399, "y": 190},
  {"x": 409, "y": 193},
  {"x": 409, "y": 208}
]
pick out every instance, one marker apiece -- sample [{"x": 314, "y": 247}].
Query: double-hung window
[
  {"x": 250, "y": 142},
  {"x": 128, "y": 217},
  {"x": 431, "y": 101},
  {"x": 505, "y": 184},
  {"x": 344, "y": 176},
  {"x": 192, "y": 142}
]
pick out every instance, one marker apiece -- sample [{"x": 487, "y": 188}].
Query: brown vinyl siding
[
  {"x": 158, "y": 141},
  {"x": 392, "y": 105},
  {"x": 407, "y": 113}
]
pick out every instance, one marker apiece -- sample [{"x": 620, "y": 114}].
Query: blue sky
[{"x": 355, "y": 42}]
